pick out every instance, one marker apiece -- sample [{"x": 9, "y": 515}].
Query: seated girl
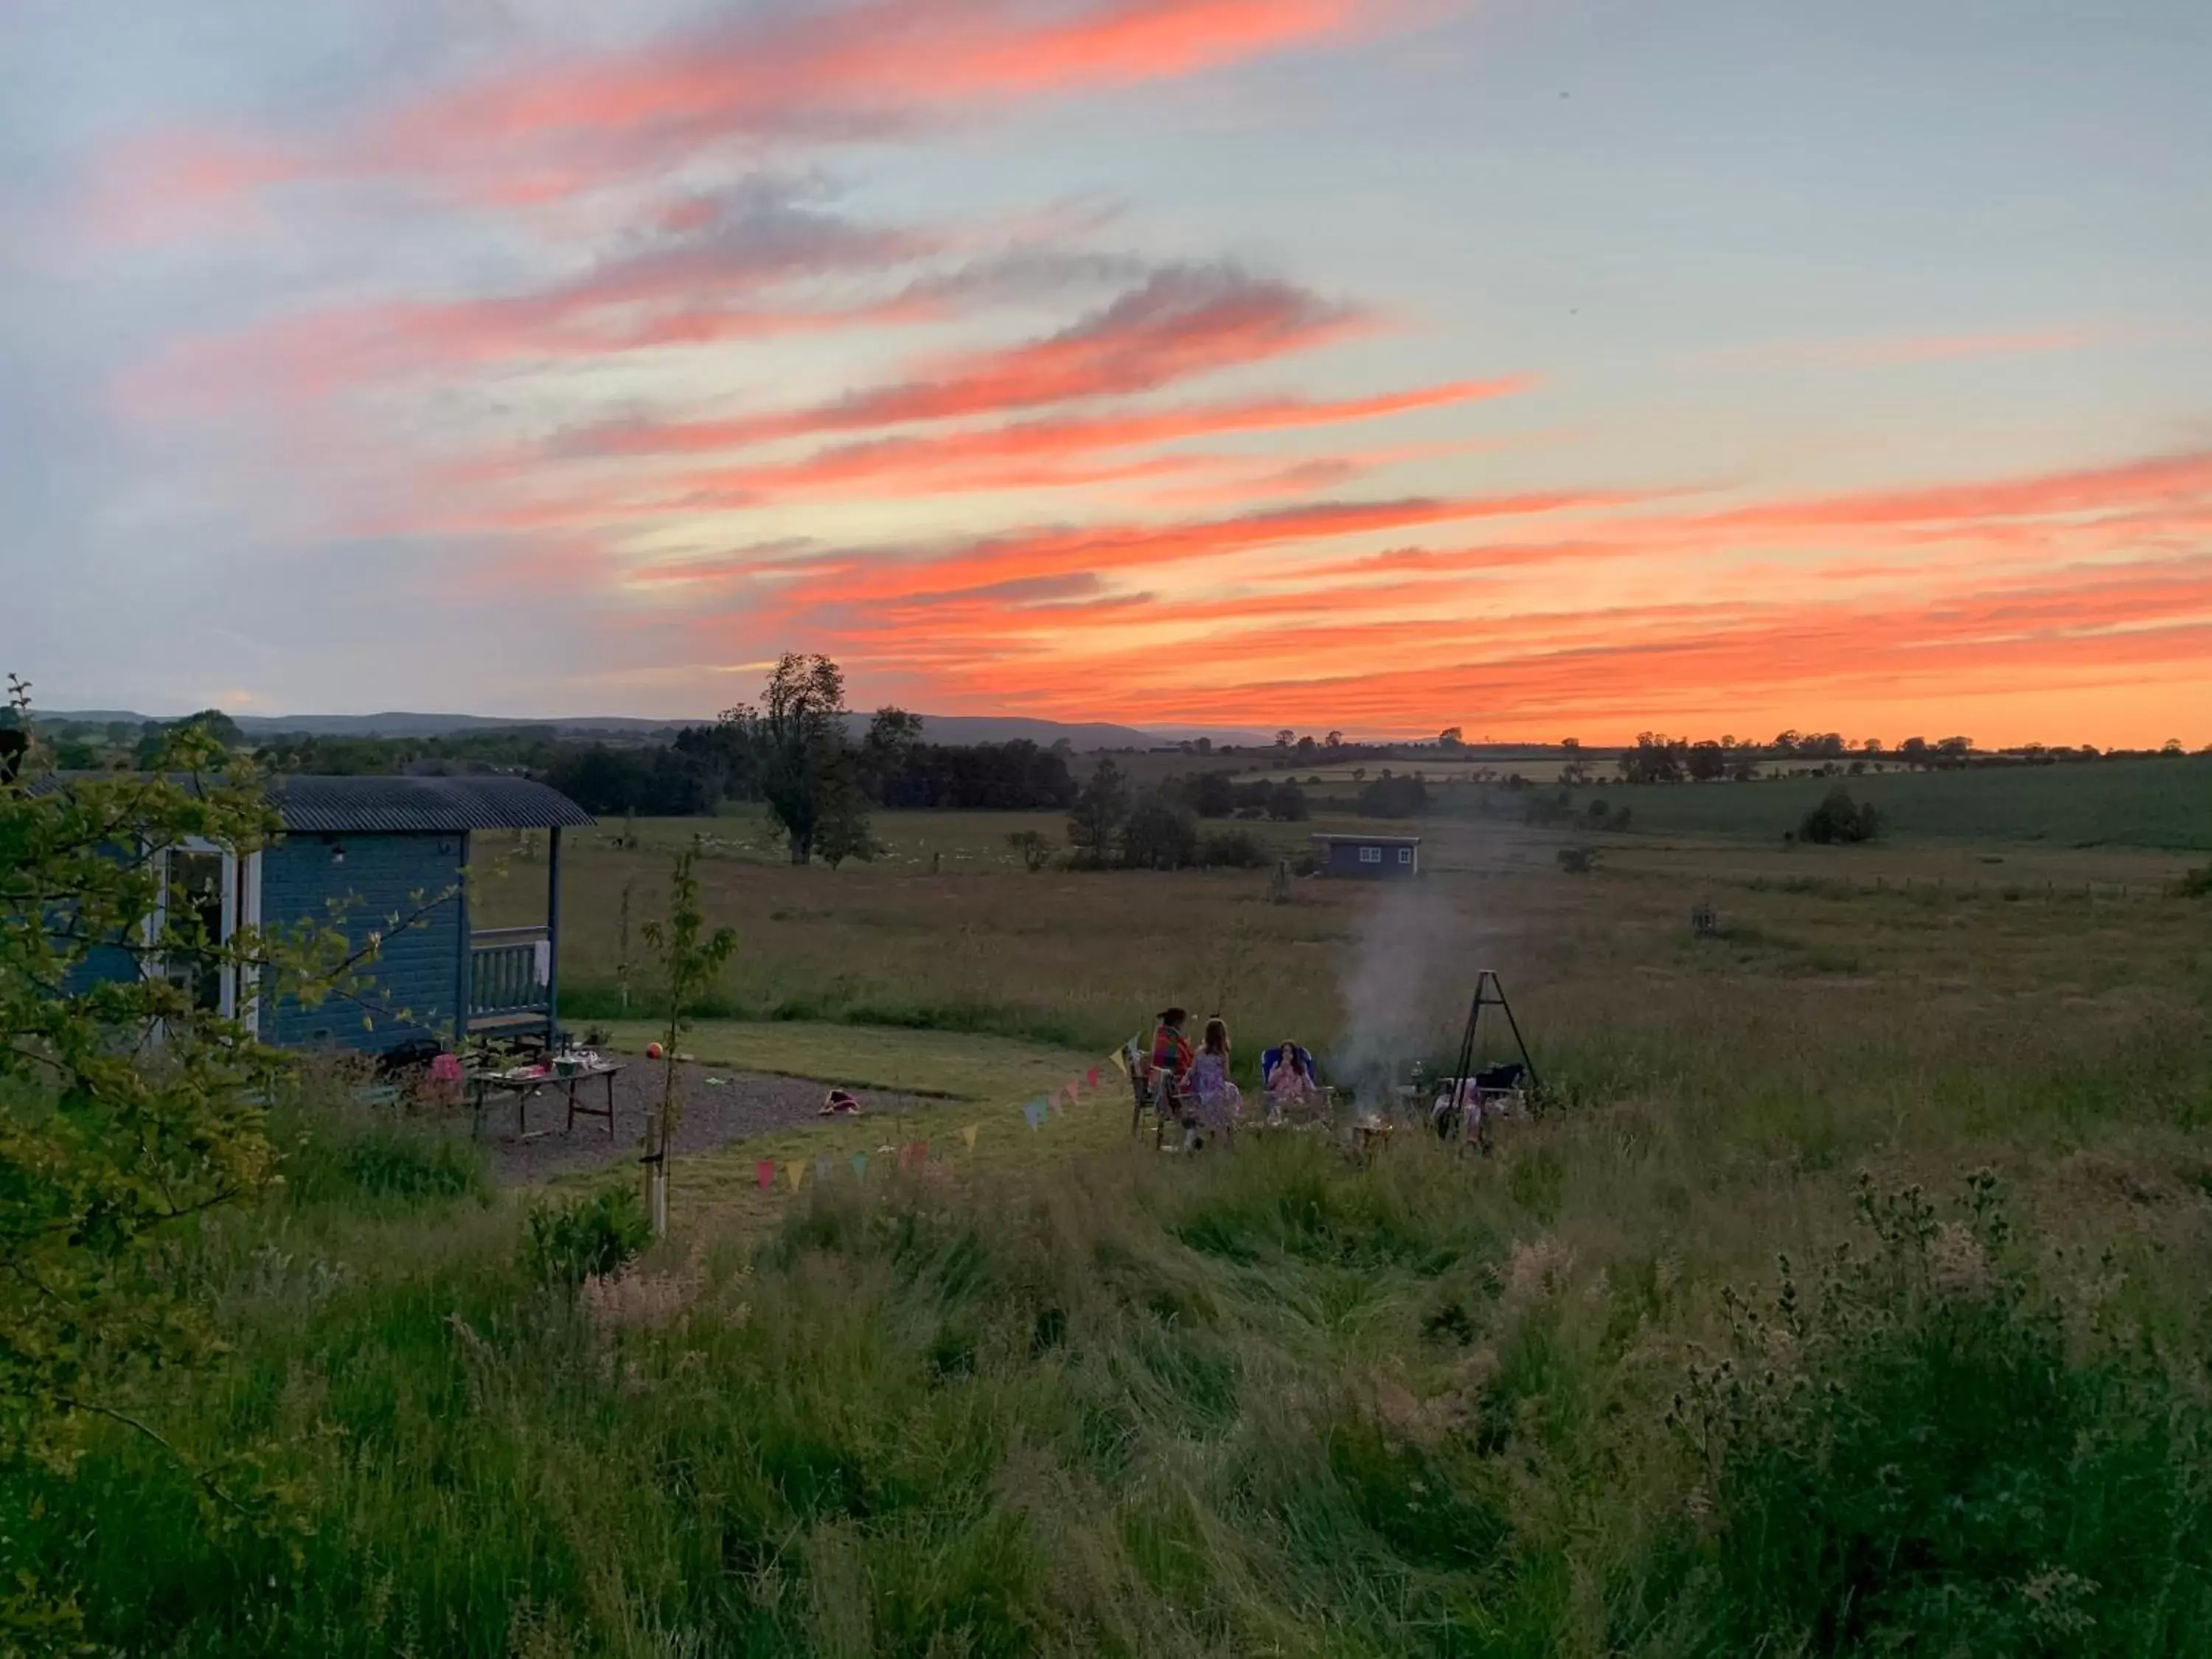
[
  {"x": 1287, "y": 1070},
  {"x": 1218, "y": 1101}
]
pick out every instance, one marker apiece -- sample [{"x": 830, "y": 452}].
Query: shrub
[
  {"x": 1235, "y": 849},
  {"x": 1838, "y": 818},
  {"x": 1910, "y": 1457},
  {"x": 2197, "y": 884},
  {"x": 566, "y": 1243},
  {"x": 1578, "y": 860},
  {"x": 1035, "y": 850}
]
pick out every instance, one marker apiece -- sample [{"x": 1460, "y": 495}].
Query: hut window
[{"x": 1370, "y": 856}]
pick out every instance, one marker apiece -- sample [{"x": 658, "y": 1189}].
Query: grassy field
[
  {"x": 1613, "y": 1389},
  {"x": 2161, "y": 803}
]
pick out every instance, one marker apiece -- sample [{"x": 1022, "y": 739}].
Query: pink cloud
[{"x": 528, "y": 135}]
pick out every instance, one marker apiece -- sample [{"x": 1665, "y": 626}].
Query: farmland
[{"x": 1057, "y": 1393}]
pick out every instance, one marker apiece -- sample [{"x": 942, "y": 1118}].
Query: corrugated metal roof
[
  {"x": 320, "y": 806},
  {"x": 367, "y": 806},
  {"x": 1374, "y": 840}
]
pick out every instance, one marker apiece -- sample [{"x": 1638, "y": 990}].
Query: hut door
[{"x": 204, "y": 901}]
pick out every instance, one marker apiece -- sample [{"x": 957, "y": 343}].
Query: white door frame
[{"x": 241, "y": 907}]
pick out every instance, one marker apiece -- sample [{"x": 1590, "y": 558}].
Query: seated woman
[{"x": 1219, "y": 1102}]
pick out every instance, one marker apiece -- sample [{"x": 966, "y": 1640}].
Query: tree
[
  {"x": 1212, "y": 794},
  {"x": 1451, "y": 738},
  {"x": 1656, "y": 758},
  {"x": 1838, "y": 818},
  {"x": 689, "y": 965},
  {"x": 1392, "y": 798},
  {"x": 1285, "y": 737},
  {"x": 129, "y": 1106},
  {"x": 1333, "y": 740},
  {"x": 893, "y": 738},
  {"x": 842, "y": 831},
  {"x": 217, "y": 725},
  {"x": 797, "y": 741},
  {"x": 1095, "y": 822},
  {"x": 1160, "y": 835},
  {"x": 1287, "y": 804}
]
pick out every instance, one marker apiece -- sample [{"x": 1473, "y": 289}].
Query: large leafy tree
[
  {"x": 128, "y": 1105},
  {"x": 1094, "y": 823},
  {"x": 801, "y": 755}
]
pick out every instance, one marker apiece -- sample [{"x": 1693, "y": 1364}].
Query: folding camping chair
[{"x": 1152, "y": 1092}]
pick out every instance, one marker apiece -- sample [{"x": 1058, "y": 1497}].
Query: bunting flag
[
  {"x": 822, "y": 1166},
  {"x": 1122, "y": 1064},
  {"x": 860, "y": 1166},
  {"x": 1071, "y": 1091},
  {"x": 914, "y": 1155},
  {"x": 795, "y": 1172},
  {"x": 968, "y": 1134},
  {"x": 764, "y": 1172},
  {"x": 1090, "y": 1079},
  {"x": 1034, "y": 1113}
]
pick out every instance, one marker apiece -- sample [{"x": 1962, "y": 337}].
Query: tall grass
[{"x": 1263, "y": 1403}]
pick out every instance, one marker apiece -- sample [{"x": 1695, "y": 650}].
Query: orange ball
[{"x": 653, "y": 1051}]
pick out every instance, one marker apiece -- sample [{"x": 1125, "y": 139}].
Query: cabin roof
[
  {"x": 396, "y": 805},
  {"x": 1371, "y": 840},
  {"x": 320, "y": 806}
]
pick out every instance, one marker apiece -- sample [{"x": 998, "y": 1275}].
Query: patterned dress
[{"x": 1218, "y": 1101}]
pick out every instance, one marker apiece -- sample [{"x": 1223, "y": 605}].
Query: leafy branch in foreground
[{"x": 128, "y": 1100}]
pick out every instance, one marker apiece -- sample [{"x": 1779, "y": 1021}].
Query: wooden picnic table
[{"x": 523, "y": 1081}]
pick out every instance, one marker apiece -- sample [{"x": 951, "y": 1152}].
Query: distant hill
[{"x": 937, "y": 728}]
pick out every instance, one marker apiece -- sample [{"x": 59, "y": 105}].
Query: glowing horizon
[{"x": 1229, "y": 363}]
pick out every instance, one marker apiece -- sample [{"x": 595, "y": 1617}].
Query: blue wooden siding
[
  {"x": 1344, "y": 859},
  {"x": 419, "y": 969}
]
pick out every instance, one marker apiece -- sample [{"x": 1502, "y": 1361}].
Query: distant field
[
  {"x": 1048, "y": 1390},
  {"x": 2155, "y": 803}
]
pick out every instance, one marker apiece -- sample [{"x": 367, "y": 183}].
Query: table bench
[{"x": 522, "y": 1082}]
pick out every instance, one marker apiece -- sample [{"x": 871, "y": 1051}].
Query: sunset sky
[{"x": 1547, "y": 367}]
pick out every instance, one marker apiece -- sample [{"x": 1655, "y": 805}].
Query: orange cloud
[{"x": 1405, "y": 638}]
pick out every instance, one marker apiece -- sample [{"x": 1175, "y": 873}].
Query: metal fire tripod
[{"x": 1489, "y": 992}]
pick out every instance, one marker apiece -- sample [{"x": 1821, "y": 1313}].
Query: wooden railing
[{"x": 510, "y": 971}]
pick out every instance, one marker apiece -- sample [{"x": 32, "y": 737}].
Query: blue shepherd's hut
[
  {"x": 355, "y": 853},
  {"x": 1374, "y": 858}
]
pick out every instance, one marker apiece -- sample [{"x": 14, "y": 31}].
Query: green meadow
[{"x": 1845, "y": 1297}]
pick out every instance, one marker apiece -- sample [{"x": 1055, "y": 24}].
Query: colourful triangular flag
[
  {"x": 1090, "y": 1079},
  {"x": 968, "y": 1134},
  {"x": 1034, "y": 1113},
  {"x": 860, "y": 1166},
  {"x": 764, "y": 1172},
  {"x": 1119, "y": 1061},
  {"x": 822, "y": 1166},
  {"x": 795, "y": 1172},
  {"x": 914, "y": 1155}
]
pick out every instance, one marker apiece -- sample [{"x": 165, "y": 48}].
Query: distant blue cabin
[
  {"x": 357, "y": 852},
  {"x": 1369, "y": 858}
]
